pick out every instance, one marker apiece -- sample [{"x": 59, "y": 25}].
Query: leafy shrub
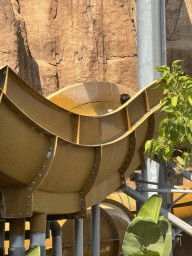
[{"x": 149, "y": 233}]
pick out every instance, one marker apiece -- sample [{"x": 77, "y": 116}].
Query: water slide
[{"x": 62, "y": 154}]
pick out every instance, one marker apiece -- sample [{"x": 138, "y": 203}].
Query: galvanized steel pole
[
  {"x": 151, "y": 52},
  {"x": 56, "y": 232},
  {"x": 78, "y": 237},
  {"x": 95, "y": 230},
  {"x": 38, "y": 238},
  {"x": 16, "y": 247}
]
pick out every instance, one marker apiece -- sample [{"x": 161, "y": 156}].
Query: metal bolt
[
  {"x": 82, "y": 207},
  {"x": 29, "y": 188},
  {"x": 12, "y": 214},
  {"x": 123, "y": 182},
  {"x": 96, "y": 156},
  {"x": 50, "y": 148},
  {"x": 83, "y": 214},
  {"x": 89, "y": 180},
  {"x": 20, "y": 214},
  {"x": 33, "y": 182},
  {"x": 43, "y": 166},
  {"x": 95, "y": 165},
  {"x": 81, "y": 199},
  {"x": 130, "y": 146},
  {"x": 27, "y": 213},
  {"x": 97, "y": 148},
  {"x": 122, "y": 176},
  {"x": 28, "y": 196},
  {"x": 81, "y": 192},
  {"x": 92, "y": 173},
  {"x": 39, "y": 174},
  {"x": 28, "y": 205},
  {"x": 131, "y": 138},
  {"x": 84, "y": 187},
  {"x": 48, "y": 155},
  {"x": 51, "y": 139},
  {"x": 4, "y": 72}
]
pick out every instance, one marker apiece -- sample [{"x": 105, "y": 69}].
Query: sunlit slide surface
[{"x": 65, "y": 153}]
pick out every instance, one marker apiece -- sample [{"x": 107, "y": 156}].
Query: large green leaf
[
  {"x": 34, "y": 251},
  {"x": 164, "y": 244},
  {"x": 149, "y": 253},
  {"x": 131, "y": 244},
  {"x": 151, "y": 208},
  {"x": 152, "y": 253},
  {"x": 147, "y": 230},
  {"x": 150, "y": 230}
]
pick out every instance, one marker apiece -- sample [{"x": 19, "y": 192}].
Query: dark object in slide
[{"x": 124, "y": 98}]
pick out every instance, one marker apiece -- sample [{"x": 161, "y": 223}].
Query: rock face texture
[
  {"x": 179, "y": 32},
  {"x": 55, "y": 43}
]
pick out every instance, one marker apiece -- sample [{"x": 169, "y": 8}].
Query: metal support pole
[
  {"x": 17, "y": 237},
  {"x": 2, "y": 238},
  {"x": 167, "y": 190},
  {"x": 151, "y": 52},
  {"x": 78, "y": 237},
  {"x": 38, "y": 238},
  {"x": 95, "y": 230},
  {"x": 179, "y": 230},
  {"x": 38, "y": 231},
  {"x": 56, "y": 238}
]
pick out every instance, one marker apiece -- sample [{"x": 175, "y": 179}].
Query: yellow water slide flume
[{"x": 66, "y": 153}]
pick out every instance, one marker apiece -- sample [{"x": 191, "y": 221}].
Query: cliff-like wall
[
  {"x": 55, "y": 43},
  {"x": 179, "y": 32}
]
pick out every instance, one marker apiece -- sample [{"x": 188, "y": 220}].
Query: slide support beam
[{"x": 95, "y": 230}]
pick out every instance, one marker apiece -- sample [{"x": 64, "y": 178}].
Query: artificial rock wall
[{"x": 55, "y": 43}]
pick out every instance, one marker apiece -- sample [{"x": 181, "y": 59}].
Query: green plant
[
  {"x": 35, "y": 251},
  {"x": 149, "y": 233},
  {"x": 175, "y": 131}
]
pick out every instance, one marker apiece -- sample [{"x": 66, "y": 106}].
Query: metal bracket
[
  {"x": 137, "y": 178},
  {"x": 129, "y": 157},
  {"x": 174, "y": 202},
  {"x": 90, "y": 182}
]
